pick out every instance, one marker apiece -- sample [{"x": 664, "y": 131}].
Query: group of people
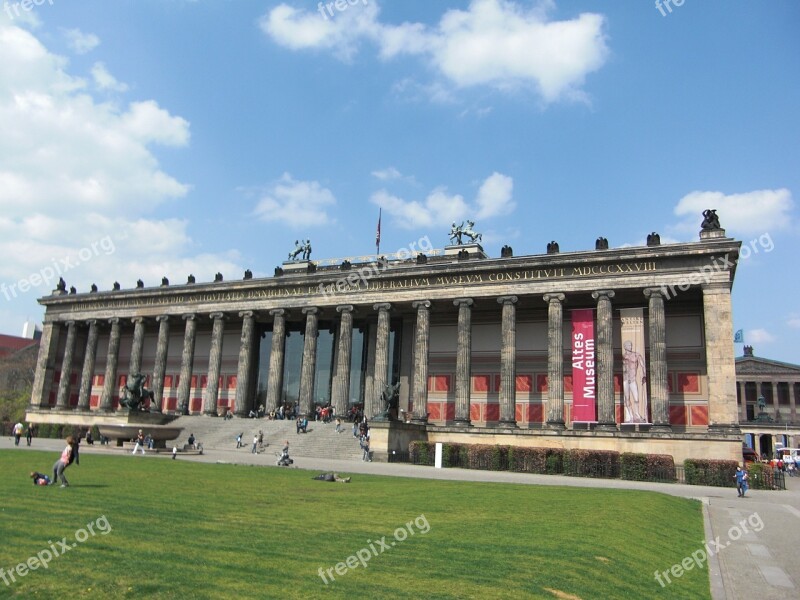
[
  {"x": 69, "y": 455},
  {"x": 19, "y": 428}
]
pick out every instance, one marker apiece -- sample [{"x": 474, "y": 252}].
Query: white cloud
[
  {"x": 79, "y": 42},
  {"x": 105, "y": 80},
  {"x": 296, "y": 203},
  {"x": 794, "y": 321},
  {"x": 494, "y": 197},
  {"x": 496, "y": 43},
  {"x": 387, "y": 174},
  {"x": 442, "y": 208},
  {"x": 758, "y": 336},
  {"x": 759, "y": 211},
  {"x": 75, "y": 171}
]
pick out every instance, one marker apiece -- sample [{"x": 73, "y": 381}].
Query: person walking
[
  {"x": 139, "y": 442},
  {"x": 255, "y": 444},
  {"x": 62, "y": 463},
  {"x": 29, "y": 434},
  {"x": 741, "y": 481},
  {"x": 338, "y": 425},
  {"x": 17, "y": 433}
]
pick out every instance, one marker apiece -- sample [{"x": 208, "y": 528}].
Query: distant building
[
  {"x": 776, "y": 421},
  {"x": 31, "y": 331},
  {"x": 17, "y": 363}
]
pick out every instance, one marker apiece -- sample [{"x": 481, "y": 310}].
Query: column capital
[
  {"x": 217, "y": 316},
  {"x": 278, "y": 312},
  {"x": 382, "y": 306},
  {"x": 653, "y": 292},
  {"x": 189, "y": 317},
  {"x": 70, "y": 323},
  {"x": 554, "y": 297},
  {"x": 114, "y": 320},
  {"x": 507, "y": 300},
  {"x": 162, "y": 318},
  {"x": 463, "y": 302},
  {"x": 310, "y": 310},
  {"x": 603, "y": 294},
  {"x": 421, "y": 304},
  {"x": 90, "y": 322},
  {"x": 136, "y": 320},
  {"x": 246, "y": 314},
  {"x": 345, "y": 308}
]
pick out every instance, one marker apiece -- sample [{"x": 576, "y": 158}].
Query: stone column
[
  {"x": 309, "y": 366},
  {"x": 776, "y": 404},
  {"x": 463, "y": 360},
  {"x": 508, "y": 363},
  {"x": 419, "y": 391},
  {"x": 369, "y": 376},
  {"x": 275, "y": 381},
  {"x": 45, "y": 364},
  {"x": 606, "y": 417},
  {"x": 245, "y": 368},
  {"x": 742, "y": 399},
  {"x": 381, "y": 360},
  {"x": 792, "y": 402},
  {"x": 160, "y": 368},
  {"x": 136, "y": 347},
  {"x": 214, "y": 365},
  {"x": 62, "y": 397},
  {"x": 657, "y": 375},
  {"x": 187, "y": 363},
  {"x": 112, "y": 358},
  {"x": 720, "y": 358},
  {"x": 341, "y": 382},
  {"x": 555, "y": 360},
  {"x": 87, "y": 374}
]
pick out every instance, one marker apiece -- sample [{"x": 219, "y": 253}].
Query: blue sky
[{"x": 144, "y": 138}]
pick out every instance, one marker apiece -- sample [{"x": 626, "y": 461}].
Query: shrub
[
  {"x": 591, "y": 463},
  {"x": 710, "y": 472},
  {"x": 647, "y": 467},
  {"x": 762, "y": 477},
  {"x": 420, "y": 453}
]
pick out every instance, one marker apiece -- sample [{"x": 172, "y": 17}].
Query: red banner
[{"x": 584, "y": 367}]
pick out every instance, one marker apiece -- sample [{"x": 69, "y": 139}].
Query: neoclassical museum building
[{"x": 628, "y": 349}]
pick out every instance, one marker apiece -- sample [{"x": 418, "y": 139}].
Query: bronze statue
[
  {"x": 133, "y": 394},
  {"x": 710, "y": 220},
  {"x": 470, "y": 233},
  {"x": 390, "y": 398},
  {"x": 302, "y": 248}
]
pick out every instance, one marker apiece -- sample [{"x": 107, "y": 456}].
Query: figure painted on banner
[{"x": 632, "y": 393}]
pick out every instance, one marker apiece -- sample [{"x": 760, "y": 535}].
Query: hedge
[
  {"x": 710, "y": 472},
  {"x": 647, "y": 467}
]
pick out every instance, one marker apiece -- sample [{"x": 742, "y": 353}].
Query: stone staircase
[{"x": 321, "y": 441}]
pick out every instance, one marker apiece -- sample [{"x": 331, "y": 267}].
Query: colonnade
[{"x": 717, "y": 334}]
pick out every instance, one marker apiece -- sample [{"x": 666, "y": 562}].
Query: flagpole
[{"x": 378, "y": 234}]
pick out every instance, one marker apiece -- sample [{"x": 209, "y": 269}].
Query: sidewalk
[{"x": 759, "y": 563}]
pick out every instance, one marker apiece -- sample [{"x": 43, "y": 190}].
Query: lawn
[{"x": 177, "y": 529}]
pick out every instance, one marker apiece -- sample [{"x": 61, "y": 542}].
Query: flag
[
  {"x": 738, "y": 337},
  {"x": 378, "y": 234}
]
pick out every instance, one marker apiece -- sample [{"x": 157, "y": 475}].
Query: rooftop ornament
[
  {"x": 552, "y": 247},
  {"x": 302, "y": 248},
  {"x": 710, "y": 220},
  {"x": 601, "y": 244},
  {"x": 457, "y": 232},
  {"x": 653, "y": 239}
]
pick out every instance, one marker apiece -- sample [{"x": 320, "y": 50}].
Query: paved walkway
[{"x": 751, "y": 542}]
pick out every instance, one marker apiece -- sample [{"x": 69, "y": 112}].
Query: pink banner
[{"x": 584, "y": 397}]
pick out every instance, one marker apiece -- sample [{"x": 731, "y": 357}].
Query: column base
[
  {"x": 661, "y": 428},
  {"x": 462, "y": 423},
  {"x": 606, "y": 427},
  {"x": 209, "y": 413},
  {"x": 508, "y": 424},
  {"x": 419, "y": 420},
  {"x": 559, "y": 425}
]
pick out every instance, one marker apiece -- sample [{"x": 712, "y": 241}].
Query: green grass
[{"x": 190, "y": 530}]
